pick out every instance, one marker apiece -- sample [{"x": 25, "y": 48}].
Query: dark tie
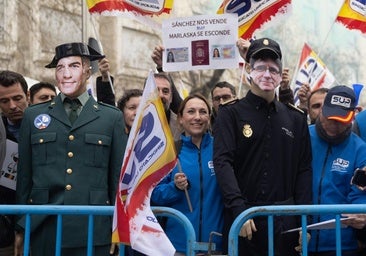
[{"x": 74, "y": 105}]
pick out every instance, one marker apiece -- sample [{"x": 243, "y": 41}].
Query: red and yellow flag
[
  {"x": 353, "y": 15},
  {"x": 150, "y": 155},
  {"x": 142, "y": 7},
  {"x": 311, "y": 70},
  {"x": 253, "y": 15}
]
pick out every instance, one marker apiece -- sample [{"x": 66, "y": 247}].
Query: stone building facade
[{"x": 30, "y": 30}]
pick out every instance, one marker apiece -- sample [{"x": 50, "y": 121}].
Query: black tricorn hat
[{"x": 74, "y": 49}]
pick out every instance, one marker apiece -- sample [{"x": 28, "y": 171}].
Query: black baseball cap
[
  {"x": 339, "y": 104},
  {"x": 74, "y": 49},
  {"x": 263, "y": 47}
]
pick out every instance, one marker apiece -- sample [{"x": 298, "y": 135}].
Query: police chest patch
[
  {"x": 247, "y": 131},
  {"x": 42, "y": 121}
]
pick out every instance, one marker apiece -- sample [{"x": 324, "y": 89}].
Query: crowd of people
[{"x": 232, "y": 153}]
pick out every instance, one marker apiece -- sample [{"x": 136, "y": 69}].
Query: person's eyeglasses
[
  {"x": 224, "y": 97},
  {"x": 264, "y": 68}
]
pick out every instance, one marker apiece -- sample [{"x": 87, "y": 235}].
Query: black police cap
[{"x": 263, "y": 47}]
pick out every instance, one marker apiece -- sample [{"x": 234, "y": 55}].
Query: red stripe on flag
[
  {"x": 141, "y": 192},
  {"x": 122, "y": 7},
  {"x": 352, "y": 24},
  {"x": 263, "y": 17}
]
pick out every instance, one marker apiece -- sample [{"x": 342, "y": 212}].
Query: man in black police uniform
[
  {"x": 64, "y": 161},
  {"x": 262, "y": 154}
]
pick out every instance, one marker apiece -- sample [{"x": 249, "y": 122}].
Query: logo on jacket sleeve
[{"x": 42, "y": 121}]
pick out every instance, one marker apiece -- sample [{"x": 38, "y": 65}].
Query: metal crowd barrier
[
  {"x": 60, "y": 210},
  {"x": 299, "y": 210},
  {"x": 192, "y": 245}
]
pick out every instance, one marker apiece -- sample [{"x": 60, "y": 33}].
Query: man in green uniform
[{"x": 71, "y": 150}]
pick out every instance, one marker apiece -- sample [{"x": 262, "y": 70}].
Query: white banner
[{"x": 200, "y": 42}]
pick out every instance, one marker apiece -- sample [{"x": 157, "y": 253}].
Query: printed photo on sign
[
  {"x": 223, "y": 52},
  {"x": 8, "y": 175},
  {"x": 177, "y": 55}
]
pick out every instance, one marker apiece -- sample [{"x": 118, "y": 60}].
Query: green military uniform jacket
[{"x": 66, "y": 164}]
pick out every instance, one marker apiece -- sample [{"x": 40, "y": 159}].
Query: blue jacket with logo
[
  {"x": 203, "y": 191},
  {"x": 333, "y": 168},
  {"x": 360, "y": 123}
]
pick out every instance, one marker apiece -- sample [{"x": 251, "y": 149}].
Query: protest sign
[
  {"x": 200, "y": 42},
  {"x": 8, "y": 175}
]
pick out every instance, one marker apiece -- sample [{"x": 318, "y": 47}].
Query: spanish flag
[
  {"x": 142, "y": 7},
  {"x": 353, "y": 15},
  {"x": 253, "y": 15}
]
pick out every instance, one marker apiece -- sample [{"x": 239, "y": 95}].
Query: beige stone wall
[{"x": 30, "y": 31}]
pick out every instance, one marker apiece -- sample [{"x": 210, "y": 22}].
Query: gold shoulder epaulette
[
  {"x": 229, "y": 102},
  {"x": 292, "y": 106}
]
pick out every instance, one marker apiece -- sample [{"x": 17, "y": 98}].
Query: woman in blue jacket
[{"x": 197, "y": 175}]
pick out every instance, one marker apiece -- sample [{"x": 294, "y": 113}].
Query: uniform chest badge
[
  {"x": 42, "y": 121},
  {"x": 247, "y": 131}
]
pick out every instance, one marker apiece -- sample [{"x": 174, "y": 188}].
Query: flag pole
[
  {"x": 322, "y": 46},
  {"x": 185, "y": 190},
  {"x": 241, "y": 81}
]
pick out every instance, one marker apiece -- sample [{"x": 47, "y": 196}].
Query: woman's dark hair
[
  {"x": 193, "y": 96},
  {"x": 218, "y": 52},
  {"x": 127, "y": 96},
  {"x": 170, "y": 57}
]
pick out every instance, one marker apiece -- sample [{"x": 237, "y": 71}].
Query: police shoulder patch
[{"x": 292, "y": 106}]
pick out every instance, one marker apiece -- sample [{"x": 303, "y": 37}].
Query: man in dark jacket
[
  {"x": 71, "y": 151},
  {"x": 13, "y": 102},
  {"x": 262, "y": 154}
]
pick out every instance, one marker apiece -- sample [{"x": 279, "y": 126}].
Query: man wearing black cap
[
  {"x": 71, "y": 150},
  {"x": 262, "y": 154},
  {"x": 337, "y": 153}
]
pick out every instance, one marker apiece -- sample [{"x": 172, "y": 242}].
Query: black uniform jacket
[{"x": 262, "y": 154}]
